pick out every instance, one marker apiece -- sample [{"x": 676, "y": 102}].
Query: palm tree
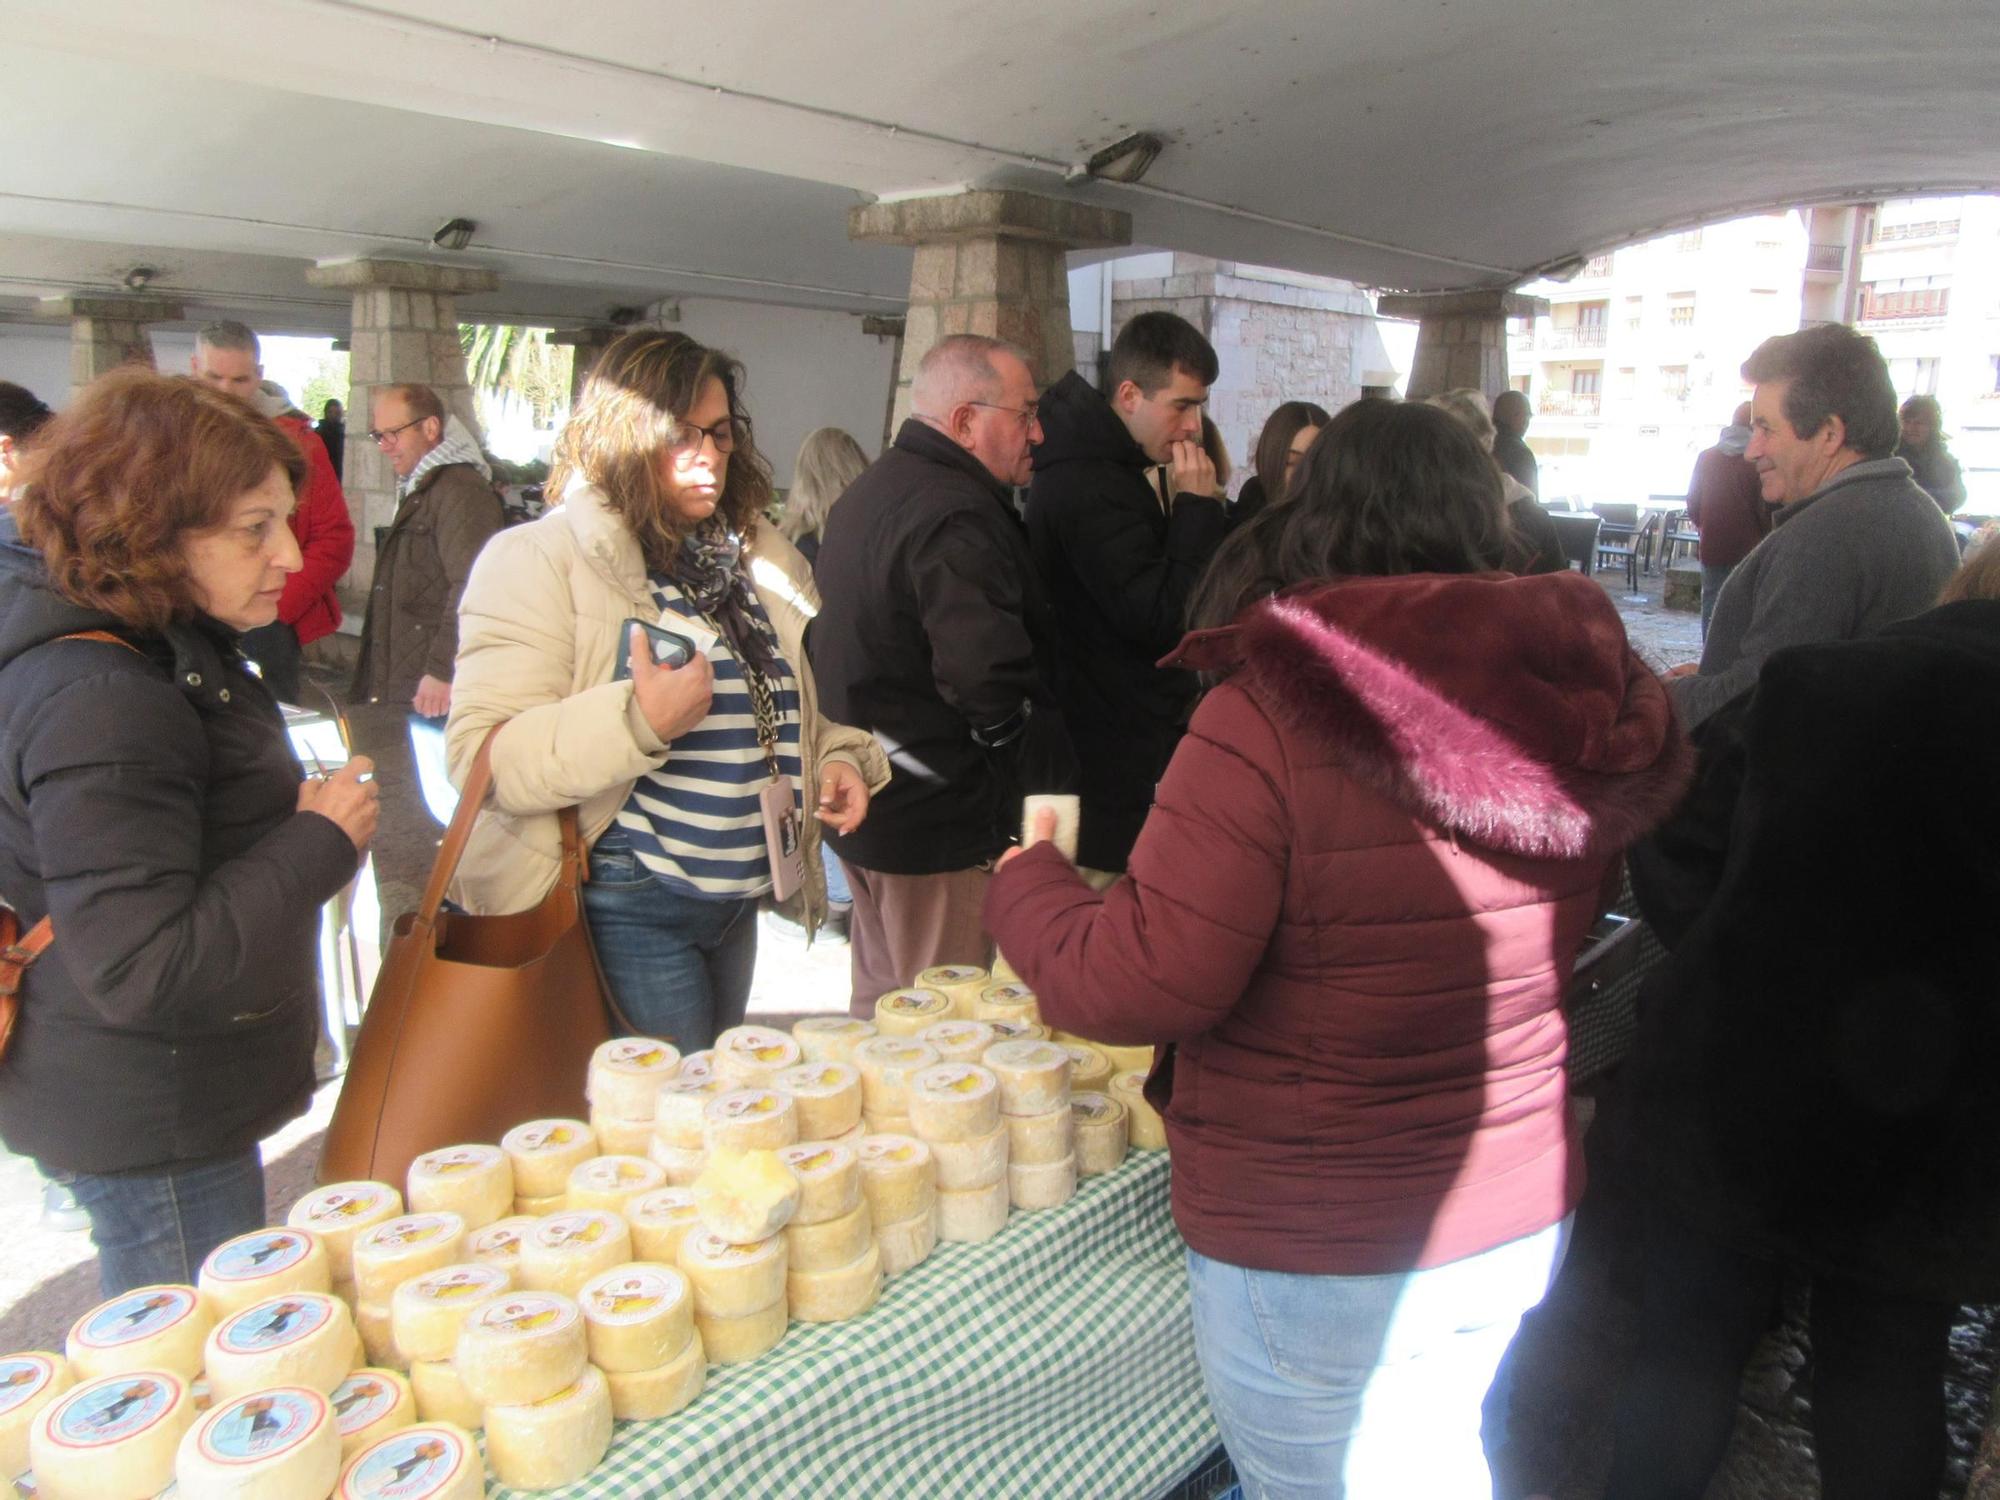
[{"x": 506, "y": 360}]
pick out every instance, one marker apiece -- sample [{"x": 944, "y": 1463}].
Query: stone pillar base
[{"x": 1683, "y": 588}]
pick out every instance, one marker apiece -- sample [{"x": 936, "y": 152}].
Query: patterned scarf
[{"x": 710, "y": 573}]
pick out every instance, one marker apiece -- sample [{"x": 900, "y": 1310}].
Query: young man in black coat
[{"x": 1119, "y": 565}]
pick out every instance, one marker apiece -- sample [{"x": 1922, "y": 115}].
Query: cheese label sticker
[
  {"x": 585, "y": 1227},
  {"x": 22, "y": 1378},
  {"x": 666, "y": 1204},
  {"x": 460, "y": 1283},
  {"x": 810, "y": 1161},
  {"x": 1007, "y": 994},
  {"x": 957, "y": 1033},
  {"x": 136, "y": 1315},
  {"x": 112, "y": 1410},
  {"x": 500, "y": 1241},
  {"x": 912, "y": 1000},
  {"x": 550, "y": 1137},
  {"x": 1026, "y": 1055},
  {"x": 698, "y": 1083},
  {"x": 413, "y": 1464},
  {"x": 697, "y": 1066},
  {"x": 264, "y": 1253},
  {"x": 954, "y": 1078},
  {"x": 261, "y": 1424},
  {"x": 833, "y": 1025},
  {"x": 744, "y": 1102},
  {"x": 955, "y": 974},
  {"x": 416, "y": 1229},
  {"x": 275, "y": 1324},
  {"x": 1012, "y": 1031},
  {"x": 639, "y": 1053},
  {"x": 362, "y": 1400},
  {"x": 1083, "y": 1057},
  {"x": 529, "y": 1314},
  {"x": 631, "y": 1296},
  {"x": 456, "y": 1161},
  {"x": 616, "y": 1172},
  {"x": 1092, "y": 1107},
  {"x": 345, "y": 1204},
  {"x": 714, "y": 1249}
]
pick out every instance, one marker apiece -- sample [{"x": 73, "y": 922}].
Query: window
[
  {"x": 1674, "y": 382},
  {"x": 1519, "y": 383},
  {"x": 1908, "y": 297},
  {"x": 1635, "y": 314},
  {"x": 1680, "y": 311},
  {"x": 1584, "y": 382},
  {"x": 1688, "y": 242}
]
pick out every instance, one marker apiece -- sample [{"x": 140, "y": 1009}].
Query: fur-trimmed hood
[{"x": 1510, "y": 711}]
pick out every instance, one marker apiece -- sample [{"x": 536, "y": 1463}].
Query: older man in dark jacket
[
  {"x": 935, "y": 636},
  {"x": 1120, "y": 566}
]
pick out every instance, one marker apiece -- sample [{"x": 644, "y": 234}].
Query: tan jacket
[{"x": 539, "y": 637}]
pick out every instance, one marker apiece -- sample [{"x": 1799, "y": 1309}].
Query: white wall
[{"x": 37, "y": 358}]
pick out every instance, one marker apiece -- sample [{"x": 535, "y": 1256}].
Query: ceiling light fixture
[
  {"x": 454, "y": 234},
  {"x": 1121, "y": 161},
  {"x": 139, "y": 278}
]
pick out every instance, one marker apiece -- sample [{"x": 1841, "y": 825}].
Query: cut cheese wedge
[
  {"x": 954, "y": 1102},
  {"x": 431, "y": 1461},
  {"x": 300, "y": 1338},
  {"x": 474, "y": 1182},
  {"x": 111, "y": 1438},
  {"x": 746, "y": 1196},
  {"x": 958, "y": 1041},
  {"x": 826, "y": 1096},
  {"x": 398, "y": 1249},
  {"x": 829, "y": 1177},
  {"x": 269, "y": 1445},
  {"x": 648, "y": 1395},
  {"x": 637, "y": 1317},
  {"x": 544, "y": 1152},
  {"x": 521, "y": 1348},
  {"x": 838, "y": 1293},
  {"x": 554, "y": 1441},
  {"x": 831, "y": 1038},
  {"x": 428, "y": 1312},
  {"x": 150, "y": 1328},
  {"x": 565, "y": 1250},
  {"x": 369, "y": 1405},
  {"x": 262, "y": 1264}
]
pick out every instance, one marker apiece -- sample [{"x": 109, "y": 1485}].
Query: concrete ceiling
[{"x": 624, "y": 150}]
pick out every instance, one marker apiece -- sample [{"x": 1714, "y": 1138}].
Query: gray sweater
[{"x": 1864, "y": 550}]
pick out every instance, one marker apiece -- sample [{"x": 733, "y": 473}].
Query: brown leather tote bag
[{"x": 475, "y": 1023}]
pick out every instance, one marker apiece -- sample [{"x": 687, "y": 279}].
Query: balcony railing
[
  {"x": 1571, "y": 403},
  {"x": 1826, "y": 257},
  {"x": 1575, "y": 336},
  {"x": 1595, "y": 269},
  {"x": 1922, "y": 229}
]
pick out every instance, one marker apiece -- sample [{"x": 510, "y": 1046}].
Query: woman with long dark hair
[
  {"x": 1286, "y": 435},
  {"x": 1347, "y": 924}
]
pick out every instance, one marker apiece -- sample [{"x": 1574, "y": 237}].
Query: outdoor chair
[{"x": 1578, "y": 531}]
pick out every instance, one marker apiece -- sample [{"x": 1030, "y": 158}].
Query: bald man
[{"x": 935, "y": 637}]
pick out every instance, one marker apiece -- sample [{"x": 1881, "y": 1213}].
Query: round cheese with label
[
  {"x": 975, "y": 1215},
  {"x": 397, "y": 1249},
  {"x": 428, "y": 1311},
  {"x": 734, "y": 1341},
  {"x": 611, "y": 1182},
  {"x": 648, "y": 1395},
  {"x": 300, "y": 1338},
  {"x": 441, "y": 1395},
  {"x": 955, "y": 1102},
  {"x": 831, "y": 1038},
  {"x": 659, "y": 1222},
  {"x": 838, "y": 1292},
  {"x": 958, "y": 1041},
  {"x": 1041, "y": 1185},
  {"x": 887, "y": 1065},
  {"x": 500, "y": 1244},
  {"x": 681, "y": 1165},
  {"x": 751, "y": 1056},
  {"x": 565, "y": 1250},
  {"x": 340, "y": 1214},
  {"x": 474, "y": 1182},
  {"x": 621, "y": 1137},
  {"x": 755, "y": 1119},
  {"x": 1099, "y": 1122},
  {"x": 150, "y": 1328},
  {"x": 544, "y": 1152},
  {"x": 540, "y": 1208},
  {"x": 626, "y": 1074},
  {"x": 1038, "y": 1140},
  {"x": 906, "y": 1012},
  {"x": 677, "y": 1120},
  {"x": 1002, "y": 970},
  {"x": 28, "y": 1382},
  {"x": 544, "y": 1444},
  {"x": 431, "y": 1461},
  {"x": 1017, "y": 1031},
  {"x": 826, "y": 1097},
  {"x": 898, "y": 1177},
  {"x": 978, "y": 1163},
  {"x": 369, "y": 1405},
  {"x": 1143, "y": 1124},
  {"x": 637, "y": 1316},
  {"x": 730, "y": 1280},
  {"x": 1034, "y": 1076},
  {"x": 520, "y": 1348},
  {"x": 111, "y": 1437},
  {"x": 1009, "y": 1000},
  {"x": 1123, "y": 1059},
  {"x": 829, "y": 1177},
  {"x": 262, "y": 1264},
  {"x": 960, "y": 985},
  {"x": 378, "y": 1337},
  {"x": 873, "y": 1124},
  {"x": 1089, "y": 1068},
  {"x": 269, "y": 1445},
  {"x": 831, "y": 1242},
  {"x": 908, "y": 1242}
]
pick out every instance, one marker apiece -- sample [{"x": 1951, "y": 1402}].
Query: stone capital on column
[
  {"x": 106, "y": 332},
  {"x": 402, "y": 276},
  {"x": 1461, "y": 336}
]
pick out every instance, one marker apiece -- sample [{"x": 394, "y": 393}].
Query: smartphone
[{"x": 669, "y": 647}]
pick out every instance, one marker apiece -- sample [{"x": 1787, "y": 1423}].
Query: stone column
[
  {"x": 991, "y": 262},
  {"x": 106, "y": 332},
  {"x": 1461, "y": 337},
  {"x": 405, "y": 331}
]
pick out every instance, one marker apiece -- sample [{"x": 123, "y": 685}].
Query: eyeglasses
[
  {"x": 380, "y": 435},
  {"x": 725, "y": 434},
  {"x": 1027, "y": 413}
]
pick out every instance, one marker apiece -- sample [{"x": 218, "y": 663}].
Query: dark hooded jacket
[
  {"x": 1354, "y": 910},
  {"x": 1817, "y": 1076},
  {"x": 1119, "y": 569},
  {"x": 148, "y": 805}
]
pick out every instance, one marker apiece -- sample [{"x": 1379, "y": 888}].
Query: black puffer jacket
[
  {"x": 147, "y": 804},
  {"x": 1119, "y": 569}
]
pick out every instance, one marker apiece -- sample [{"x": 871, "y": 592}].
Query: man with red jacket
[
  {"x": 226, "y": 356},
  {"x": 1726, "y": 505}
]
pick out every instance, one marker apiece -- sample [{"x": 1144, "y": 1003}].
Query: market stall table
[{"x": 1055, "y": 1359}]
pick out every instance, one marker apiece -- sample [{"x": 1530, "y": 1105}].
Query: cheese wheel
[
  {"x": 958, "y": 1041},
  {"x": 150, "y": 1328},
  {"x": 431, "y": 1461},
  {"x": 975, "y": 1215},
  {"x": 1041, "y": 1185},
  {"x": 746, "y": 1196},
  {"x": 829, "y": 1180},
  {"x": 474, "y": 1182},
  {"x": 621, "y": 1137},
  {"x": 428, "y": 1312},
  {"x": 28, "y": 1382},
  {"x": 397, "y": 1249},
  {"x": 960, "y": 985},
  {"x": 544, "y": 1152},
  {"x": 262, "y": 1264},
  {"x": 647, "y": 1395},
  {"x": 1040, "y": 1140},
  {"x": 759, "y": 1119},
  {"x": 955, "y": 1102},
  {"x": 749, "y": 1057},
  {"x": 733, "y": 1281},
  {"x": 1017, "y": 1031},
  {"x": 539, "y": 1208},
  {"x": 1002, "y": 970},
  {"x": 840, "y": 1292},
  {"x": 554, "y": 1441},
  {"x": 1122, "y": 1059},
  {"x": 269, "y": 1445},
  {"x": 733, "y": 1341},
  {"x": 831, "y": 1038},
  {"x": 906, "y": 1243},
  {"x": 625, "y": 1076},
  {"x": 850, "y": 1138},
  {"x": 565, "y": 1250},
  {"x": 677, "y": 1120},
  {"x": 1089, "y": 1068},
  {"x": 1034, "y": 1076},
  {"x": 963, "y": 1166},
  {"x": 376, "y": 1326},
  {"x": 500, "y": 1244},
  {"x": 680, "y": 1165},
  {"x": 301, "y": 1338},
  {"x": 1143, "y": 1124},
  {"x": 369, "y": 1405},
  {"x": 887, "y": 1065},
  {"x": 441, "y": 1395},
  {"x": 113, "y": 1438},
  {"x": 1067, "y": 809},
  {"x": 1100, "y": 1123},
  {"x": 1009, "y": 1000},
  {"x": 340, "y": 1214},
  {"x": 826, "y": 1097},
  {"x": 830, "y": 1243},
  {"x": 906, "y": 1012},
  {"x": 696, "y": 1066},
  {"x": 659, "y": 1222},
  {"x": 898, "y": 1177},
  {"x": 637, "y": 1316},
  {"x": 886, "y": 1124},
  {"x": 520, "y": 1348},
  {"x": 611, "y": 1182}
]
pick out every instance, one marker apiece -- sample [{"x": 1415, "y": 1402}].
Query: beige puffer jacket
[{"x": 539, "y": 637}]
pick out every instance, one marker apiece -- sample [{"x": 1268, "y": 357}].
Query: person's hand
[
  {"x": 843, "y": 796},
  {"x": 352, "y": 805},
  {"x": 1192, "y": 470},
  {"x": 1041, "y": 831},
  {"x": 672, "y": 699},
  {"x": 433, "y": 697},
  {"x": 1685, "y": 669}
]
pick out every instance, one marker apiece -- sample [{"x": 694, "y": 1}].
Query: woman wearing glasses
[{"x": 661, "y": 522}]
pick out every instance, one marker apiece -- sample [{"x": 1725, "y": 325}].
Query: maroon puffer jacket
[{"x": 1354, "y": 908}]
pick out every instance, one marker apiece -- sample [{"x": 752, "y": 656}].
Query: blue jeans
[
  {"x": 153, "y": 1227},
  {"x": 836, "y": 877},
  {"x": 1363, "y": 1387},
  {"x": 679, "y": 966}
]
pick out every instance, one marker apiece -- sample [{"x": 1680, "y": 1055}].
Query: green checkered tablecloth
[{"x": 1055, "y": 1360}]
